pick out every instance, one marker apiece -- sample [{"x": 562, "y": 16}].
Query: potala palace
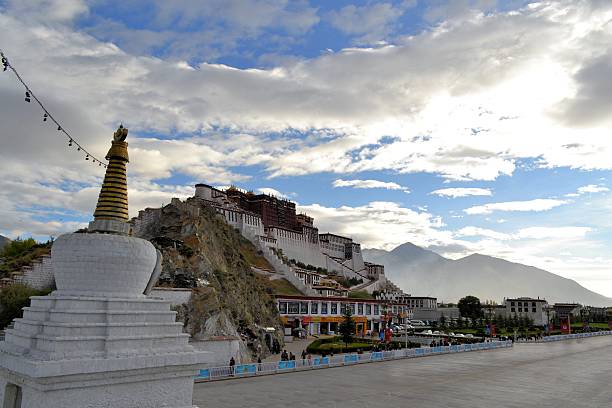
[{"x": 289, "y": 241}]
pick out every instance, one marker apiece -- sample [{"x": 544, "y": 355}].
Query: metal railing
[
  {"x": 278, "y": 367},
  {"x": 560, "y": 337}
]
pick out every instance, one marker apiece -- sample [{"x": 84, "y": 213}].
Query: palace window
[
  {"x": 368, "y": 309},
  {"x": 520, "y": 310},
  {"x": 282, "y": 307},
  {"x": 303, "y": 307},
  {"x": 314, "y": 308},
  {"x": 352, "y": 308},
  {"x": 512, "y": 309},
  {"x": 360, "y": 309},
  {"x": 376, "y": 309},
  {"x": 334, "y": 308},
  {"x": 294, "y": 307},
  {"x": 324, "y": 308},
  {"x": 533, "y": 310}
]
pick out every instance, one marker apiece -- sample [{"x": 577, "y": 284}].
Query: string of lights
[{"x": 47, "y": 116}]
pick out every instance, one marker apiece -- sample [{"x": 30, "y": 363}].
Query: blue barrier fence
[
  {"x": 249, "y": 370},
  {"x": 560, "y": 337}
]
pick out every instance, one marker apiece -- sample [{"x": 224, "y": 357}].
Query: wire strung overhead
[{"x": 47, "y": 116}]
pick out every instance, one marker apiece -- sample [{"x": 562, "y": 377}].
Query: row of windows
[
  {"x": 520, "y": 309},
  {"x": 526, "y": 304},
  {"x": 333, "y": 308}
]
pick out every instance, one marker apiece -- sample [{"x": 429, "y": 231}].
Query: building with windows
[
  {"x": 274, "y": 211},
  {"x": 421, "y": 307},
  {"x": 565, "y": 310},
  {"x": 272, "y": 222},
  {"x": 374, "y": 271},
  {"x": 308, "y": 277},
  {"x": 322, "y": 315},
  {"x": 534, "y": 309}
]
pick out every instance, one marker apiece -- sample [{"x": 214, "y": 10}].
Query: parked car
[{"x": 417, "y": 323}]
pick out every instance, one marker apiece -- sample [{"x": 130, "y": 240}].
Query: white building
[
  {"x": 328, "y": 251},
  {"x": 534, "y": 309}
]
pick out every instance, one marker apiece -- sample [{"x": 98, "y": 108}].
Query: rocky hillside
[
  {"x": 202, "y": 252},
  {"x": 19, "y": 253}
]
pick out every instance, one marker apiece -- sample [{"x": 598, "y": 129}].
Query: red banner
[{"x": 566, "y": 327}]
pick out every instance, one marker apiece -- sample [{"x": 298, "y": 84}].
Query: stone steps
[
  {"x": 98, "y": 316},
  {"x": 81, "y": 346},
  {"x": 96, "y": 329},
  {"x": 73, "y": 302}
]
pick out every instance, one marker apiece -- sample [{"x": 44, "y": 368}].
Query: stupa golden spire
[{"x": 111, "y": 213}]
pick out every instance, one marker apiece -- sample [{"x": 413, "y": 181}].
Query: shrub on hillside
[{"x": 13, "y": 299}]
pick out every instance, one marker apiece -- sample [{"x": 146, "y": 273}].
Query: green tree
[
  {"x": 13, "y": 299},
  {"x": 442, "y": 321},
  {"x": 17, "y": 247},
  {"x": 469, "y": 306},
  {"x": 347, "y": 326}
]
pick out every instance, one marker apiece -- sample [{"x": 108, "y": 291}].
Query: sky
[{"x": 460, "y": 126}]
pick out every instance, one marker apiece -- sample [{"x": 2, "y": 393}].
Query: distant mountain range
[
  {"x": 425, "y": 273},
  {"x": 3, "y": 241}
]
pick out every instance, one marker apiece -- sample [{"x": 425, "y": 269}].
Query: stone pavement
[
  {"x": 295, "y": 347},
  {"x": 576, "y": 373}
]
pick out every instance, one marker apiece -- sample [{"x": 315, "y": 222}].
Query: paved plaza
[{"x": 575, "y": 373}]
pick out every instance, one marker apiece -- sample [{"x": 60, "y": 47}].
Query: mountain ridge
[{"x": 424, "y": 272}]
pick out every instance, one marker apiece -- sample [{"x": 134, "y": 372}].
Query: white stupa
[{"x": 98, "y": 340}]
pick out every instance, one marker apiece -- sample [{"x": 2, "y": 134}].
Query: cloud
[
  {"x": 526, "y": 233},
  {"x": 379, "y": 224},
  {"x": 482, "y": 232},
  {"x": 540, "y": 204},
  {"x": 364, "y": 184},
  {"x": 552, "y": 232},
  {"x": 49, "y": 11},
  {"x": 591, "y": 103},
  {"x": 592, "y": 188},
  {"x": 469, "y": 69},
  {"x": 462, "y": 192},
  {"x": 202, "y": 30},
  {"x": 272, "y": 192},
  {"x": 372, "y": 22}
]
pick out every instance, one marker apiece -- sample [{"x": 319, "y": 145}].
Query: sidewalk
[{"x": 295, "y": 347}]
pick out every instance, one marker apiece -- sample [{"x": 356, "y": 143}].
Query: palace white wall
[{"x": 295, "y": 246}]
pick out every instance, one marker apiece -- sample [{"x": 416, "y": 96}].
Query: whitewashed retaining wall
[
  {"x": 39, "y": 275},
  {"x": 176, "y": 296}
]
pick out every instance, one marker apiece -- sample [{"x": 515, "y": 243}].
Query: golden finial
[{"x": 111, "y": 213}]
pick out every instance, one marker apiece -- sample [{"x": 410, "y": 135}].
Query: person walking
[{"x": 232, "y": 363}]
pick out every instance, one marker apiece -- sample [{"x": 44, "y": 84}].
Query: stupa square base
[{"x": 161, "y": 387}]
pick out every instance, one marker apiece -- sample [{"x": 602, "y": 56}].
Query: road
[{"x": 575, "y": 373}]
